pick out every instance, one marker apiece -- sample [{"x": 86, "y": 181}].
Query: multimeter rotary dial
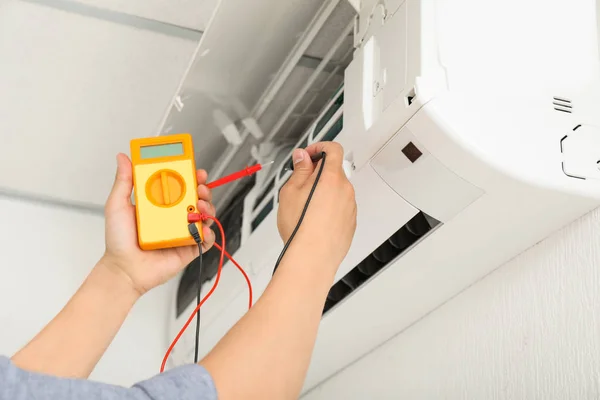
[{"x": 165, "y": 188}]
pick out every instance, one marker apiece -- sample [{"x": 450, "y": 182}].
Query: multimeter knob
[{"x": 165, "y": 188}]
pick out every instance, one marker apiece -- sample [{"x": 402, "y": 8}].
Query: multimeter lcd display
[{"x": 161, "y": 150}]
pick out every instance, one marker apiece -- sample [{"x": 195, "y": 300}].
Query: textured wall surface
[{"x": 529, "y": 330}]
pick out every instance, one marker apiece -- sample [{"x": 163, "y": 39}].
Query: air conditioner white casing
[{"x": 505, "y": 111}]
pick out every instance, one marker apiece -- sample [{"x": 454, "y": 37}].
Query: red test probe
[{"x": 248, "y": 171}]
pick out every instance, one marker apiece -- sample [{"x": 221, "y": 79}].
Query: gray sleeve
[{"x": 185, "y": 383}]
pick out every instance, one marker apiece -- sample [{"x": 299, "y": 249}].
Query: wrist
[
  {"x": 318, "y": 250},
  {"x": 309, "y": 255},
  {"x": 110, "y": 275}
]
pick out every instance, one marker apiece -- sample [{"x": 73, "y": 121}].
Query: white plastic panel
[
  {"x": 598, "y": 26},
  {"x": 393, "y": 63},
  {"x": 581, "y": 152},
  {"x": 353, "y": 92},
  {"x": 393, "y": 6},
  {"x": 372, "y": 83},
  {"x": 233, "y": 66},
  {"x": 425, "y": 183},
  {"x": 375, "y": 201},
  {"x": 383, "y": 72},
  {"x": 370, "y": 17}
]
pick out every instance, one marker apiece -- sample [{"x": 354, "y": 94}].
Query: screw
[{"x": 376, "y": 88}]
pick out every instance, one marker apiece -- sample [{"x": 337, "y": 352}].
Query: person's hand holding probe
[
  {"x": 329, "y": 225},
  {"x": 267, "y": 353}
]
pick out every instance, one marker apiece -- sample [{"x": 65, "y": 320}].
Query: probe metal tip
[{"x": 268, "y": 163}]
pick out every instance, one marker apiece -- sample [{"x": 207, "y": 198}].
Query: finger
[
  {"x": 209, "y": 238},
  {"x": 206, "y": 208},
  {"x": 201, "y": 176},
  {"x": 120, "y": 194},
  {"x": 303, "y": 168},
  {"x": 334, "y": 151},
  {"x": 204, "y": 193}
]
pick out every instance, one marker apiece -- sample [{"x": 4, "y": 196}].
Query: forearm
[
  {"x": 73, "y": 342},
  {"x": 277, "y": 335}
]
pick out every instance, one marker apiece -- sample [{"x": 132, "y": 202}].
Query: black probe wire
[
  {"x": 310, "y": 195},
  {"x": 197, "y": 342},
  {"x": 196, "y": 235}
]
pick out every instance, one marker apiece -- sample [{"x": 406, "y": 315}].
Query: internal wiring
[{"x": 310, "y": 195}]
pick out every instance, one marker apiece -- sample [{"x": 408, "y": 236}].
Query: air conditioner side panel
[
  {"x": 376, "y": 202},
  {"x": 422, "y": 180}
]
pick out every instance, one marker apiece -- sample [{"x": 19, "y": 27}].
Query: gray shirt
[{"x": 182, "y": 383}]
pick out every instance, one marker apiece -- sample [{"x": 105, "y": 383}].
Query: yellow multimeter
[{"x": 165, "y": 188}]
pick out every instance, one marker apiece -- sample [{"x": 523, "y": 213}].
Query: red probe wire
[
  {"x": 212, "y": 289},
  {"x": 243, "y": 273},
  {"x": 236, "y": 175},
  {"x": 196, "y": 217}
]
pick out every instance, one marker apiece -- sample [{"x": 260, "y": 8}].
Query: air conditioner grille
[{"x": 414, "y": 230}]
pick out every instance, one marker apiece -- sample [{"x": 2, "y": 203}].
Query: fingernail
[{"x": 298, "y": 156}]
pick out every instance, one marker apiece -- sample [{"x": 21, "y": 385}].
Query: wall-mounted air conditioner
[{"x": 474, "y": 129}]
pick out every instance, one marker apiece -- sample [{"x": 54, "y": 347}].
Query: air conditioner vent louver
[
  {"x": 381, "y": 257},
  {"x": 562, "y": 104}
]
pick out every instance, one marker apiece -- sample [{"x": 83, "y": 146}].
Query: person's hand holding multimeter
[{"x": 147, "y": 269}]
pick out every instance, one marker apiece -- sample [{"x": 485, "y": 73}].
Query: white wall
[
  {"x": 74, "y": 90},
  {"x": 45, "y": 254},
  {"x": 529, "y": 330}
]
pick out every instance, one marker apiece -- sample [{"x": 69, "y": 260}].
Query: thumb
[
  {"x": 121, "y": 192},
  {"x": 303, "y": 167}
]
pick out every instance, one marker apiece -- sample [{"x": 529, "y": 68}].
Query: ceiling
[
  {"x": 87, "y": 76},
  {"x": 193, "y": 14}
]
